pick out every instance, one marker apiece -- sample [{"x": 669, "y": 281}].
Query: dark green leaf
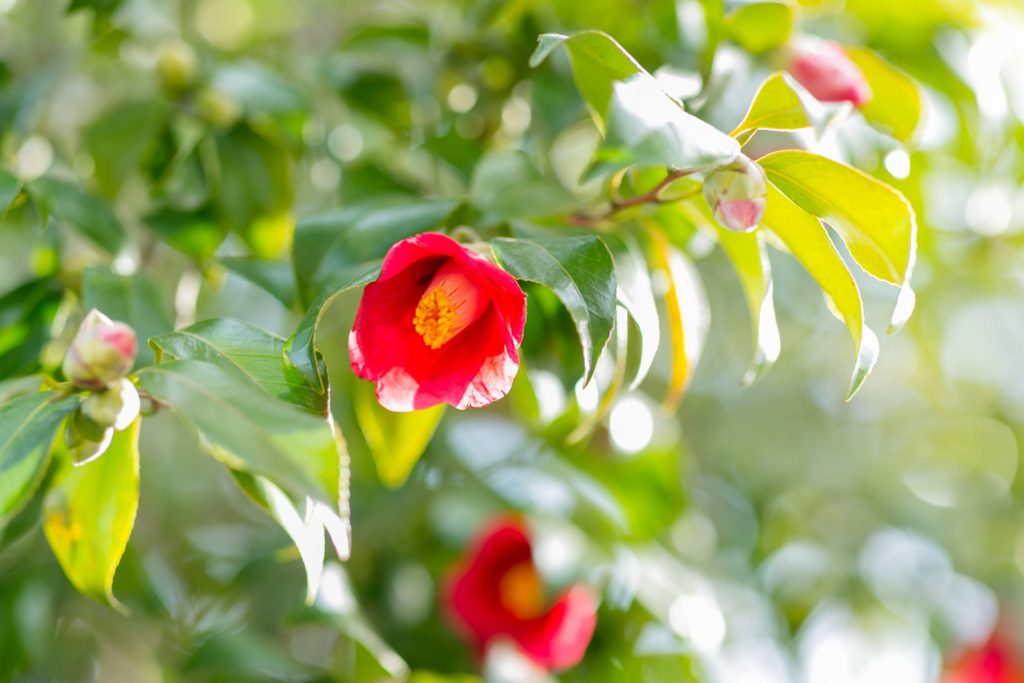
[
  {"x": 275, "y": 277},
  {"x": 509, "y": 185},
  {"x": 196, "y": 233},
  {"x": 84, "y": 212},
  {"x": 117, "y": 140},
  {"x": 133, "y": 299},
  {"x": 26, "y": 316}
]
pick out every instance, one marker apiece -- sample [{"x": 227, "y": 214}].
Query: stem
[{"x": 621, "y": 204}]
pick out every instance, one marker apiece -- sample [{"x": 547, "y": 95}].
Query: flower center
[
  {"x": 452, "y": 301},
  {"x": 521, "y": 591}
]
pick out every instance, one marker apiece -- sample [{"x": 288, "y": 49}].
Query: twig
[{"x": 621, "y": 204}]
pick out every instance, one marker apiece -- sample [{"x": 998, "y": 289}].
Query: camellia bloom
[
  {"x": 497, "y": 593},
  {"x": 441, "y": 324},
  {"x": 737, "y": 193},
  {"x": 993, "y": 662},
  {"x": 823, "y": 67},
  {"x": 102, "y": 352}
]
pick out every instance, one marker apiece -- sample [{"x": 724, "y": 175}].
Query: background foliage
[{"x": 174, "y": 162}]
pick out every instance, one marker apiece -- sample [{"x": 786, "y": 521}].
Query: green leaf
[
  {"x": 396, "y": 440},
  {"x": 133, "y": 299},
  {"x": 875, "y": 221},
  {"x": 26, "y": 317},
  {"x": 581, "y": 273},
  {"x": 808, "y": 241},
  {"x": 508, "y": 184},
  {"x": 89, "y": 514},
  {"x": 896, "y": 106},
  {"x": 257, "y": 89},
  {"x": 335, "y": 241},
  {"x": 646, "y": 127},
  {"x": 87, "y": 213},
  {"x": 195, "y": 233},
  {"x": 249, "y": 430},
  {"x": 760, "y": 26},
  {"x": 118, "y": 139},
  {"x": 10, "y": 187},
  {"x": 27, "y": 427},
  {"x": 776, "y": 106},
  {"x": 275, "y": 277},
  {"x": 247, "y": 351},
  {"x": 636, "y": 294}
]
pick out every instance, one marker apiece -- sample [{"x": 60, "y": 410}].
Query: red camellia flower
[
  {"x": 441, "y": 324},
  {"x": 993, "y": 662},
  {"x": 823, "y": 67},
  {"x": 496, "y": 593}
]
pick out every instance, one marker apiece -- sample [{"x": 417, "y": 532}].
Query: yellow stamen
[
  {"x": 449, "y": 305},
  {"x": 521, "y": 591}
]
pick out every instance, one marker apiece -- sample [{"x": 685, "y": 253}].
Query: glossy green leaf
[
  {"x": 760, "y": 26},
  {"x": 776, "y": 106},
  {"x": 335, "y": 241},
  {"x": 396, "y": 440},
  {"x": 808, "y": 241},
  {"x": 28, "y": 424},
  {"x": 275, "y": 277},
  {"x": 875, "y": 221},
  {"x": 249, "y": 430},
  {"x": 89, "y": 514},
  {"x": 580, "y": 271},
  {"x": 84, "y": 212},
  {"x": 10, "y": 187},
  {"x": 247, "y": 351},
  {"x": 134, "y": 299},
  {"x": 897, "y": 104},
  {"x": 636, "y": 294}
]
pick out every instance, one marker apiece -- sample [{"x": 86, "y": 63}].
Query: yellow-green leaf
[
  {"x": 89, "y": 514},
  {"x": 808, "y": 241},
  {"x": 896, "y": 105},
  {"x": 397, "y": 440},
  {"x": 760, "y": 26},
  {"x": 776, "y": 106}
]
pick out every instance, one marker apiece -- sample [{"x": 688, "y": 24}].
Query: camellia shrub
[{"x": 522, "y": 257}]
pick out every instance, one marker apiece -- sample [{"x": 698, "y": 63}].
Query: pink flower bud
[
  {"x": 736, "y": 193},
  {"x": 823, "y": 67},
  {"x": 116, "y": 407},
  {"x": 102, "y": 351}
]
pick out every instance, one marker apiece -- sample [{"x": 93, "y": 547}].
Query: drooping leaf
[
  {"x": 760, "y": 26},
  {"x": 808, "y": 241},
  {"x": 636, "y": 294},
  {"x": 875, "y": 221},
  {"x": 396, "y": 440},
  {"x": 10, "y": 187},
  {"x": 84, "y": 212},
  {"x": 28, "y": 424},
  {"x": 275, "y": 277},
  {"x": 249, "y": 430},
  {"x": 776, "y": 106},
  {"x": 331, "y": 242},
  {"x": 133, "y": 299},
  {"x": 577, "y": 269},
  {"x": 89, "y": 514},
  {"x": 247, "y": 351},
  {"x": 896, "y": 105}
]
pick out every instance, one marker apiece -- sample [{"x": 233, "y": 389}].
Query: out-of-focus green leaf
[
  {"x": 257, "y": 89},
  {"x": 430, "y": 677},
  {"x": 28, "y": 424},
  {"x": 133, "y": 299},
  {"x": 89, "y": 514},
  {"x": 636, "y": 294},
  {"x": 10, "y": 186},
  {"x": 396, "y": 440},
  {"x": 332, "y": 242},
  {"x": 760, "y": 26},
  {"x": 896, "y": 105},
  {"x": 509, "y": 185},
  {"x": 808, "y": 241},
  {"x": 580, "y": 271},
  {"x": 117, "y": 140},
  {"x": 196, "y": 233},
  {"x": 26, "y": 316},
  {"x": 99, "y": 6},
  {"x": 875, "y": 221},
  {"x": 776, "y": 106},
  {"x": 249, "y": 352},
  {"x": 84, "y": 212},
  {"x": 275, "y": 277}
]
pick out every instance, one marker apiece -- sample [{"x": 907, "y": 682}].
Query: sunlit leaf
[
  {"x": 84, "y": 212},
  {"x": 875, "y": 221},
  {"x": 577, "y": 269},
  {"x": 896, "y": 105},
  {"x": 134, "y": 299},
  {"x": 808, "y": 241},
  {"x": 637, "y": 295},
  {"x": 396, "y": 440},
  {"x": 760, "y": 26},
  {"x": 28, "y": 425},
  {"x": 776, "y": 106},
  {"x": 89, "y": 514}
]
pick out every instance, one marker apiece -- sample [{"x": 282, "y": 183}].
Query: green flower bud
[
  {"x": 177, "y": 67},
  {"x": 736, "y": 192},
  {"x": 85, "y": 439},
  {"x": 102, "y": 352},
  {"x": 115, "y": 407}
]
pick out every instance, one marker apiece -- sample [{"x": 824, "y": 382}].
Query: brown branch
[{"x": 619, "y": 204}]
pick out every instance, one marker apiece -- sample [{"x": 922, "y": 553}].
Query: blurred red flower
[
  {"x": 496, "y": 592},
  {"x": 994, "y": 662},
  {"x": 823, "y": 67},
  {"x": 441, "y": 324}
]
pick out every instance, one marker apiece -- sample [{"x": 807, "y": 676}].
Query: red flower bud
[
  {"x": 497, "y": 593},
  {"x": 101, "y": 352},
  {"x": 823, "y": 67},
  {"x": 736, "y": 193},
  {"x": 441, "y": 324}
]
